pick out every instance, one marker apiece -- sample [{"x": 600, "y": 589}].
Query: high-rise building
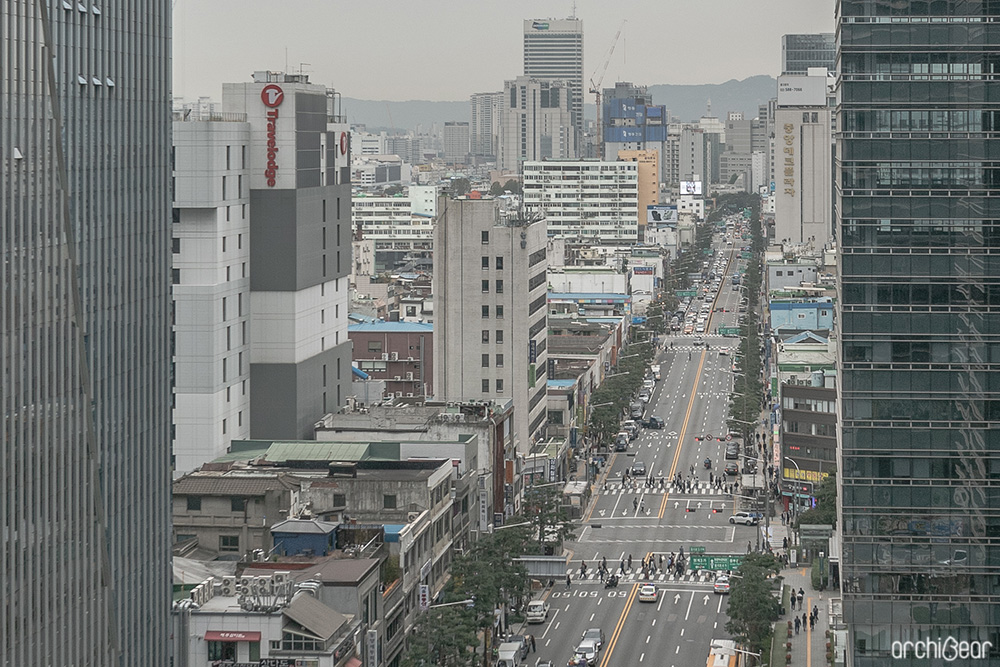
[
  {"x": 586, "y": 199},
  {"x": 211, "y": 254},
  {"x": 300, "y": 254},
  {"x": 490, "y": 319},
  {"x": 400, "y": 227},
  {"x": 647, "y": 164},
  {"x": 484, "y": 130},
  {"x": 919, "y": 467},
  {"x": 85, "y": 333},
  {"x": 800, "y": 52},
  {"x": 535, "y": 123},
  {"x": 553, "y": 51},
  {"x": 631, "y": 122},
  {"x": 456, "y": 141}
]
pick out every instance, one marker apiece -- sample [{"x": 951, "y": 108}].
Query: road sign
[
  {"x": 729, "y": 331},
  {"x": 706, "y": 562},
  {"x": 681, "y": 293},
  {"x": 696, "y": 550}
]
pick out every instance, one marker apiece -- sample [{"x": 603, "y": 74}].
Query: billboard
[
  {"x": 691, "y": 187},
  {"x": 661, "y": 214},
  {"x": 795, "y": 90},
  {"x": 642, "y": 270}
]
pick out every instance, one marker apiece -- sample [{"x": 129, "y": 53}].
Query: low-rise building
[
  {"x": 401, "y": 353},
  {"x": 801, "y": 314}
]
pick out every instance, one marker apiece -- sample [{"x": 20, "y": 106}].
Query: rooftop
[{"x": 390, "y": 327}]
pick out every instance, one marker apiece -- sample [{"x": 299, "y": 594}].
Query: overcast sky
[{"x": 447, "y": 49}]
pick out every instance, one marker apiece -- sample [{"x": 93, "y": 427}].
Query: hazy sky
[{"x": 447, "y": 49}]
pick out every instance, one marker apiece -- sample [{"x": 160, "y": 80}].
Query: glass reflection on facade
[{"x": 919, "y": 208}]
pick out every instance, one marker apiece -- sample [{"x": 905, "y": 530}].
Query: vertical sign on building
[
  {"x": 789, "y": 151},
  {"x": 272, "y": 96},
  {"x": 425, "y": 597},
  {"x": 484, "y": 511},
  {"x": 371, "y": 648}
]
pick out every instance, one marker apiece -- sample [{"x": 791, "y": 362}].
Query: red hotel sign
[{"x": 272, "y": 96}]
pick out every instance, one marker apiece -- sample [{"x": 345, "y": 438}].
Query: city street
[{"x": 634, "y": 520}]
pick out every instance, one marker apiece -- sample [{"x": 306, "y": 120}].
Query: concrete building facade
[
  {"x": 300, "y": 256},
  {"x": 536, "y": 123},
  {"x": 484, "y": 130},
  {"x": 456, "y": 141},
  {"x": 586, "y": 199},
  {"x": 399, "y": 227},
  {"x": 401, "y": 353},
  {"x": 490, "y": 317},
  {"x": 553, "y": 51},
  {"x": 648, "y": 163}
]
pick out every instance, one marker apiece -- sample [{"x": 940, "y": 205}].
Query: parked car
[
  {"x": 745, "y": 518},
  {"x": 654, "y": 422},
  {"x": 538, "y": 611},
  {"x": 732, "y": 468},
  {"x": 644, "y": 396},
  {"x": 621, "y": 442}
]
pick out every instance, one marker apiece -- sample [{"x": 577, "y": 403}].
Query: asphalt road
[{"x": 677, "y": 630}]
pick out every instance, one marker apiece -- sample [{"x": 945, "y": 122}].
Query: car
[
  {"x": 654, "y": 422},
  {"x": 522, "y": 643},
  {"x": 632, "y": 428},
  {"x": 732, "y": 451},
  {"x": 621, "y": 442},
  {"x": 587, "y": 650},
  {"x": 732, "y": 468},
  {"x": 638, "y": 468},
  {"x": 723, "y": 352},
  {"x": 648, "y": 593},
  {"x": 545, "y": 663},
  {"x": 745, "y": 518},
  {"x": 644, "y": 396},
  {"x": 595, "y": 635},
  {"x": 721, "y": 585},
  {"x": 538, "y": 611},
  {"x": 698, "y": 341}
]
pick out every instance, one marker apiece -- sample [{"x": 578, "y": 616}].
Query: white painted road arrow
[
  {"x": 706, "y": 598},
  {"x": 676, "y": 504},
  {"x": 677, "y": 598}
]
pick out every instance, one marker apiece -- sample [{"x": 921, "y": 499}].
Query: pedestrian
[
  {"x": 532, "y": 638},
  {"x": 567, "y": 580},
  {"x": 791, "y": 602},
  {"x": 622, "y": 568},
  {"x": 796, "y": 625},
  {"x": 812, "y": 622},
  {"x": 784, "y": 542},
  {"x": 643, "y": 506},
  {"x": 711, "y": 477},
  {"x": 749, "y": 547},
  {"x": 804, "y": 619},
  {"x": 630, "y": 561},
  {"x": 816, "y": 612},
  {"x": 604, "y": 563},
  {"x": 661, "y": 561},
  {"x": 802, "y": 595},
  {"x": 635, "y": 504}
]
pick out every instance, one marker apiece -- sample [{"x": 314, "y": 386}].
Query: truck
[
  {"x": 508, "y": 655},
  {"x": 655, "y": 370}
]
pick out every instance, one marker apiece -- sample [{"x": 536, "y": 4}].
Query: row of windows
[
  {"x": 952, "y": 234},
  {"x": 498, "y": 310},
  {"x": 912, "y": 409},
  {"x": 498, "y": 262},
  {"x": 238, "y": 504},
  {"x": 809, "y": 404},
  {"x": 810, "y": 428},
  {"x": 498, "y": 362},
  {"x": 938, "y": 468},
  {"x": 934, "y": 295},
  {"x": 939, "y": 440},
  {"x": 940, "y": 382},
  {"x": 904, "y": 495},
  {"x": 486, "y": 385},
  {"x": 920, "y": 175},
  {"x": 920, "y": 94},
  {"x": 486, "y": 286},
  {"x": 944, "y": 8},
  {"x": 939, "y": 325},
  {"x": 916, "y": 62},
  {"x": 920, "y": 207},
  {"x": 498, "y": 339}
]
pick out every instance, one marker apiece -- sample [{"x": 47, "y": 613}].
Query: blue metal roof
[
  {"x": 560, "y": 383},
  {"x": 577, "y": 296},
  {"x": 392, "y": 327}
]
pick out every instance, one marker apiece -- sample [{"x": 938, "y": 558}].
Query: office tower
[
  {"x": 535, "y": 123},
  {"x": 800, "y": 52},
  {"x": 85, "y": 333},
  {"x": 694, "y": 155},
  {"x": 586, "y": 199},
  {"x": 630, "y": 121},
  {"x": 803, "y": 207},
  {"x": 553, "y": 51},
  {"x": 300, "y": 254},
  {"x": 920, "y": 428},
  {"x": 211, "y": 255},
  {"x": 647, "y": 164},
  {"x": 456, "y": 141},
  {"x": 485, "y": 127},
  {"x": 490, "y": 319}
]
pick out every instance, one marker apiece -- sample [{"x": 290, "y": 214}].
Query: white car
[
  {"x": 647, "y": 593},
  {"x": 538, "y": 611},
  {"x": 587, "y": 650},
  {"x": 746, "y": 518},
  {"x": 721, "y": 584}
]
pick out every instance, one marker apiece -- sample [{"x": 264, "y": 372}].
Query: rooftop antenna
[{"x": 574, "y": 10}]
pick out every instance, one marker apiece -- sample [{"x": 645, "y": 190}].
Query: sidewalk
[{"x": 809, "y": 646}]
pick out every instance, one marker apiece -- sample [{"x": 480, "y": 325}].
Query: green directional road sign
[
  {"x": 729, "y": 331},
  {"x": 696, "y": 550},
  {"x": 744, "y": 254},
  {"x": 715, "y": 562},
  {"x": 681, "y": 293}
]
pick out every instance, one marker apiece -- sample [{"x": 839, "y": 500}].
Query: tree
[
  {"x": 752, "y": 608},
  {"x": 460, "y": 186},
  {"x": 513, "y": 186},
  {"x": 825, "y": 512},
  {"x": 550, "y": 523},
  {"x": 496, "y": 189},
  {"x": 426, "y": 645}
]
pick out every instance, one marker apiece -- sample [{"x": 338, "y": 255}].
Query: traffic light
[
  {"x": 689, "y": 509},
  {"x": 716, "y": 510}
]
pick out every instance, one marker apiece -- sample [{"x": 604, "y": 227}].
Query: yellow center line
[
  {"x": 684, "y": 427},
  {"x": 618, "y": 627}
]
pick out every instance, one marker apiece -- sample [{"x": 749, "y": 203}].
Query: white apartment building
[
  {"x": 211, "y": 290},
  {"x": 396, "y": 226},
  {"x": 536, "y": 123},
  {"x": 490, "y": 326},
  {"x": 368, "y": 143},
  {"x": 484, "y": 130},
  {"x": 456, "y": 141},
  {"x": 585, "y": 199}
]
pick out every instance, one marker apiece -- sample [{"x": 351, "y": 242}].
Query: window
[
  {"x": 486, "y": 286},
  {"x": 175, "y": 276},
  {"x": 486, "y": 262},
  {"x": 389, "y": 502},
  {"x": 222, "y": 651},
  {"x": 340, "y": 500},
  {"x": 499, "y": 336},
  {"x": 177, "y": 246},
  {"x": 374, "y": 346},
  {"x": 485, "y": 237},
  {"x": 499, "y": 385},
  {"x": 499, "y": 262},
  {"x": 486, "y": 335},
  {"x": 499, "y": 312},
  {"x": 486, "y": 361},
  {"x": 499, "y": 363},
  {"x": 239, "y": 504},
  {"x": 223, "y": 421},
  {"x": 194, "y": 503},
  {"x": 486, "y": 386},
  {"x": 229, "y": 543},
  {"x": 486, "y": 311},
  {"x": 499, "y": 287}
]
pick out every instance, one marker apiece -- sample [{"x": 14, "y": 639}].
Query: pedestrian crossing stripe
[
  {"x": 702, "y": 489},
  {"x": 636, "y": 576}
]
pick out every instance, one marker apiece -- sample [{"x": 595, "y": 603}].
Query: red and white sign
[
  {"x": 231, "y": 636},
  {"x": 272, "y": 95},
  {"x": 343, "y": 143}
]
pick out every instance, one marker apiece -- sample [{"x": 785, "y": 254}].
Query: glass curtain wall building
[
  {"x": 918, "y": 183},
  {"x": 85, "y": 332}
]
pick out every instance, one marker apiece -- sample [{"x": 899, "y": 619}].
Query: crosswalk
[
  {"x": 700, "y": 489},
  {"x": 635, "y": 576}
]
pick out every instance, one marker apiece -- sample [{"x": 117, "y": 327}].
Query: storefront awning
[{"x": 231, "y": 636}]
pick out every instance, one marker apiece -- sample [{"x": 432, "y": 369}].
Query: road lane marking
[
  {"x": 680, "y": 440},
  {"x": 618, "y": 627},
  {"x": 550, "y": 624},
  {"x": 690, "y": 602}
]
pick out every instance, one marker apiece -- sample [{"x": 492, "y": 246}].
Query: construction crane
[{"x": 595, "y": 88}]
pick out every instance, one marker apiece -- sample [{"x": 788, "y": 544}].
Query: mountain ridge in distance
[{"x": 685, "y": 101}]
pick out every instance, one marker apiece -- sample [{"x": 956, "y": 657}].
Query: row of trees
[
  {"x": 459, "y": 635},
  {"x": 611, "y": 399},
  {"x": 753, "y": 608}
]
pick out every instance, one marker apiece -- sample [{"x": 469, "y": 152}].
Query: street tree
[
  {"x": 544, "y": 509},
  {"x": 427, "y": 645},
  {"x": 825, "y": 512},
  {"x": 752, "y": 608}
]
